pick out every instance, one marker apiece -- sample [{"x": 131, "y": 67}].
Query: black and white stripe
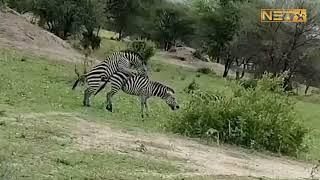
[
  {"x": 138, "y": 85},
  {"x": 123, "y": 61}
]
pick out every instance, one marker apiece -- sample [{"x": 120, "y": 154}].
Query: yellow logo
[{"x": 284, "y": 15}]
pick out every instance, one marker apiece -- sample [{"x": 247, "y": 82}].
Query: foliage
[
  {"x": 197, "y": 54},
  {"x": 249, "y": 83},
  {"x": 171, "y": 22},
  {"x": 193, "y": 86},
  {"x": 255, "y": 118},
  {"x": 219, "y": 23},
  {"x": 205, "y": 70},
  {"x": 121, "y": 14},
  {"x": 145, "y": 48},
  {"x": 20, "y": 6},
  {"x": 67, "y": 17}
]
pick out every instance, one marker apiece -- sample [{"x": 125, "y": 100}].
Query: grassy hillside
[
  {"x": 38, "y": 110},
  {"x": 35, "y": 144}
]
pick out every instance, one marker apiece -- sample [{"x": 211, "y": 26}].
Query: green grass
[
  {"x": 43, "y": 148},
  {"x": 108, "y": 45}
]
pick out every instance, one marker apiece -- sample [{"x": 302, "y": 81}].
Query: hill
[
  {"x": 17, "y": 33},
  {"x": 45, "y": 133}
]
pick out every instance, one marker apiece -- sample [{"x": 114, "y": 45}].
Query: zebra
[
  {"x": 118, "y": 61},
  {"x": 139, "y": 86}
]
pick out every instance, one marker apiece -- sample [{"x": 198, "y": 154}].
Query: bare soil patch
[
  {"x": 193, "y": 157},
  {"x": 16, "y": 32},
  {"x": 190, "y": 62}
]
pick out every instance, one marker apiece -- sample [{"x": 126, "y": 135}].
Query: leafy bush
[
  {"x": 249, "y": 83},
  {"x": 197, "y": 54},
  {"x": 205, "y": 70},
  {"x": 192, "y": 87},
  {"x": 255, "y": 118},
  {"x": 145, "y": 48}
]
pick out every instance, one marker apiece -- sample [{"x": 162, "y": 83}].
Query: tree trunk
[
  {"x": 237, "y": 75},
  {"x": 120, "y": 34},
  {"x": 307, "y": 88},
  {"x": 227, "y": 66},
  {"x": 243, "y": 71}
]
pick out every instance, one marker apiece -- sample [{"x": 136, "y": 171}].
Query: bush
[
  {"x": 205, "y": 70},
  {"x": 249, "y": 83},
  {"x": 254, "y": 118},
  {"x": 197, "y": 54},
  {"x": 192, "y": 87},
  {"x": 145, "y": 48}
]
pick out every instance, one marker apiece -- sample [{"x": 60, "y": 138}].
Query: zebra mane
[
  {"x": 167, "y": 87},
  {"x": 134, "y": 53}
]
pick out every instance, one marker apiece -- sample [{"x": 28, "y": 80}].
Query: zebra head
[
  {"x": 138, "y": 63},
  {"x": 171, "y": 100}
]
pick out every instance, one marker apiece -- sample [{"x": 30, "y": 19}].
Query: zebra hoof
[
  {"x": 109, "y": 108},
  {"x": 86, "y": 105}
]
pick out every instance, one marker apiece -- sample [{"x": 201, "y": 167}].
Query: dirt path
[
  {"x": 194, "y": 65},
  {"x": 194, "y": 157}
]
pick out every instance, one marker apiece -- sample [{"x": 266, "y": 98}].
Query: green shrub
[
  {"x": 197, "y": 54},
  {"x": 192, "y": 87},
  {"x": 249, "y": 83},
  {"x": 255, "y": 118},
  {"x": 205, "y": 70},
  {"x": 145, "y": 48}
]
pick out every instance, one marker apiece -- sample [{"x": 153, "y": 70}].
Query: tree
[
  {"x": 67, "y": 17},
  {"x": 308, "y": 72},
  {"x": 171, "y": 24},
  {"x": 218, "y": 25},
  {"x": 276, "y": 47},
  {"x": 121, "y": 14}
]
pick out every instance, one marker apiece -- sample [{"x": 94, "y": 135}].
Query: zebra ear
[{"x": 170, "y": 92}]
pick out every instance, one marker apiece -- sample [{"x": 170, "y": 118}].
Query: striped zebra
[
  {"x": 139, "y": 86},
  {"x": 122, "y": 61}
]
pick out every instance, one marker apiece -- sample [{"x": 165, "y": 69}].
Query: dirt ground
[
  {"x": 191, "y": 63},
  {"x": 17, "y": 33},
  {"x": 192, "y": 156}
]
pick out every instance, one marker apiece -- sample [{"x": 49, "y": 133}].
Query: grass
[{"x": 43, "y": 148}]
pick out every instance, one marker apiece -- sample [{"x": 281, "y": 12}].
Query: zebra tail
[
  {"x": 101, "y": 87},
  {"x": 75, "y": 84},
  {"x": 80, "y": 78}
]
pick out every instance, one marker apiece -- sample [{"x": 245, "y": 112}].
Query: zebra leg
[
  {"x": 143, "y": 101},
  {"x": 142, "y": 105},
  {"x": 109, "y": 99},
  {"x": 146, "y": 106},
  {"x": 86, "y": 99}
]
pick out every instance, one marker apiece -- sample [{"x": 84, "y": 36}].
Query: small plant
[
  {"x": 315, "y": 169},
  {"x": 145, "y": 48},
  {"x": 197, "y": 54},
  {"x": 315, "y": 91},
  {"x": 182, "y": 78},
  {"x": 249, "y": 83},
  {"x": 2, "y": 113},
  {"x": 193, "y": 86},
  {"x": 157, "y": 69},
  {"x": 205, "y": 70},
  {"x": 212, "y": 133}
]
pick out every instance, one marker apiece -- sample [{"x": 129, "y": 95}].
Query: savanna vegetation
[{"x": 260, "y": 109}]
